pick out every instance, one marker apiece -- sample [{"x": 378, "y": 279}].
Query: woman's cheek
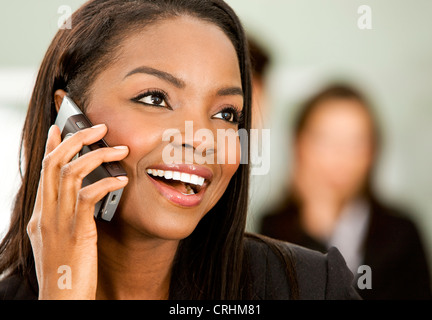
[
  {"x": 136, "y": 132},
  {"x": 131, "y": 129},
  {"x": 228, "y": 150},
  {"x": 231, "y": 162}
]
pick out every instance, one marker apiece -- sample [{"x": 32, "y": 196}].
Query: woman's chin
[
  {"x": 168, "y": 225},
  {"x": 171, "y": 231}
]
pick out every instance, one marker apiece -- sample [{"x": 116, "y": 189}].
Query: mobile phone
[{"x": 70, "y": 119}]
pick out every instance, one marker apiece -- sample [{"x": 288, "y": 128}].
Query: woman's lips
[{"x": 190, "y": 175}]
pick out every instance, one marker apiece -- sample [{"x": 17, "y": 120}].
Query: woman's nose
[{"x": 196, "y": 139}]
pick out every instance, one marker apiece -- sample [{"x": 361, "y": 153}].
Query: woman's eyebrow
[
  {"x": 230, "y": 91},
  {"x": 158, "y": 73}
]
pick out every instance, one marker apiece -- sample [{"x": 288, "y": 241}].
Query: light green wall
[{"x": 26, "y": 28}]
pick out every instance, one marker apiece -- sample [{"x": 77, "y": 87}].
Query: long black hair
[{"x": 211, "y": 261}]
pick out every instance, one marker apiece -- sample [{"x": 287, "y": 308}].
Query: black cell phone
[{"x": 70, "y": 119}]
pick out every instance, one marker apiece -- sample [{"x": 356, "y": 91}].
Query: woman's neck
[{"x": 132, "y": 265}]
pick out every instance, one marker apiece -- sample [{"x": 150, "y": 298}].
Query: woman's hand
[{"x": 62, "y": 228}]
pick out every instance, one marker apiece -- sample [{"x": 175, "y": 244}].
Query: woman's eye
[
  {"x": 225, "y": 115},
  {"x": 157, "y": 99},
  {"x": 229, "y": 114},
  {"x": 154, "y": 99}
]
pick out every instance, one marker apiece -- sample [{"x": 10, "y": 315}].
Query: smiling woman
[{"x": 138, "y": 68}]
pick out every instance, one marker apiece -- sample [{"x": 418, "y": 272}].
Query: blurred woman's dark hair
[
  {"x": 210, "y": 263},
  {"x": 260, "y": 58}
]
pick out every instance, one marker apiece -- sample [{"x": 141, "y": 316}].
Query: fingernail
[
  {"x": 121, "y": 147},
  {"x": 99, "y": 126},
  {"x": 122, "y": 178},
  {"x": 51, "y": 128}
]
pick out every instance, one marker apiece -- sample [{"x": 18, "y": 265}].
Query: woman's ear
[{"x": 58, "y": 98}]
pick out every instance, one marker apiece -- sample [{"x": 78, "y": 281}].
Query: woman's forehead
[
  {"x": 340, "y": 110},
  {"x": 192, "y": 49}
]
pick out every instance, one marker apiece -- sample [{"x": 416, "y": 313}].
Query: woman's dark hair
[
  {"x": 210, "y": 263},
  {"x": 260, "y": 58},
  {"x": 340, "y": 92}
]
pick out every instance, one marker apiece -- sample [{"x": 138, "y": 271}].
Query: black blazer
[
  {"x": 320, "y": 276},
  {"x": 392, "y": 248}
]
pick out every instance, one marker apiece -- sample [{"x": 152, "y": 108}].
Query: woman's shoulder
[
  {"x": 319, "y": 276},
  {"x": 16, "y": 287}
]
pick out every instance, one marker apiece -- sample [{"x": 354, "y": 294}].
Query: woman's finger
[
  {"x": 53, "y": 139},
  {"x": 90, "y": 195},
  {"x": 49, "y": 194},
  {"x": 57, "y": 154},
  {"x": 68, "y": 148},
  {"x": 73, "y": 173}
]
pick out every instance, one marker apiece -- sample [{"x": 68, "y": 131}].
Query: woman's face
[
  {"x": 336, "y": 145},
  {"x": 177, "y": 70}
]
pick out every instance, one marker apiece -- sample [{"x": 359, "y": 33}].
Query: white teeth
[
  {"x": 201, "y": 181},
  {"x": 176, "y": 175},
  {"x": 185, "y": 177},
  {"x": 194, "y": 179}
]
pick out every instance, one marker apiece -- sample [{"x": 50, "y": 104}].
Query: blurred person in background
[
  {"x": 331, "y": 202},
  {"x": 260, "y": 62}
]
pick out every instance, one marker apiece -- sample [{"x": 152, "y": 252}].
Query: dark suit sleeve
[
  {"x": 323, "y": 276},
  {"x": 417, "y": 280},
  {"x": 396, "y": 255},
  {"x": 16, "y": 288},
  {"x": 409, "y": 270},
  {"x": 339, "y": 278}
]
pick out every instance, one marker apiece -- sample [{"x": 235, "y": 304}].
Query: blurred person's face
[{"x": 336, "y": 145}]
